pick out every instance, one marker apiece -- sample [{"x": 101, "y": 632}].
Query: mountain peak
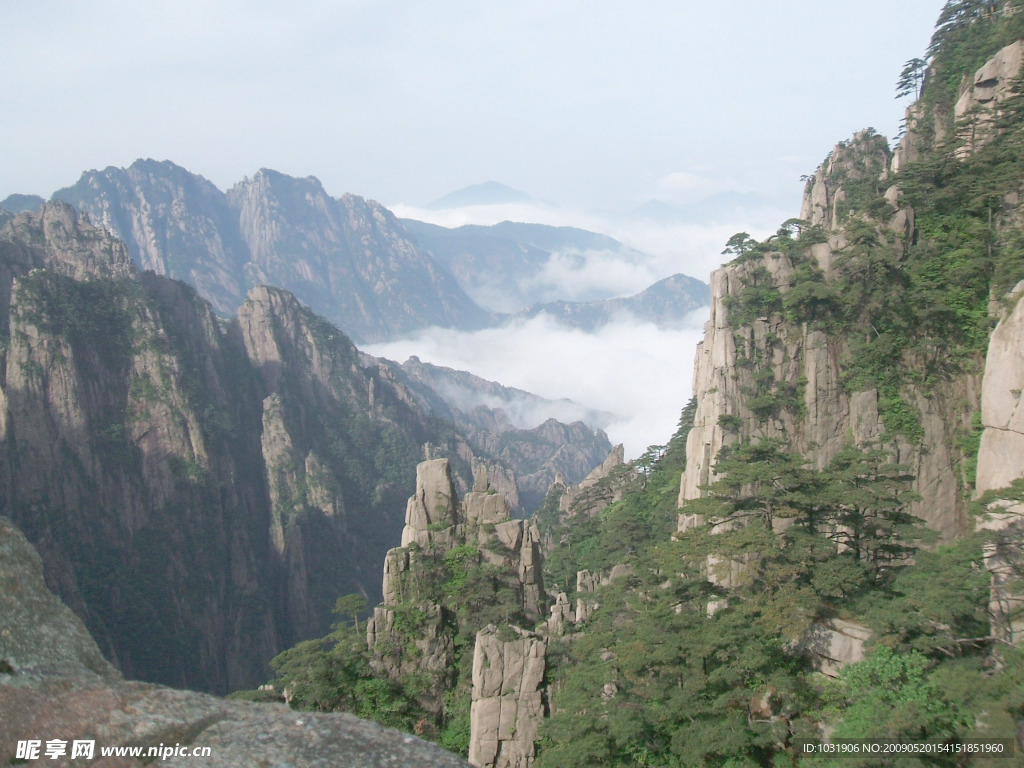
[{"x": 487, "y": 193}]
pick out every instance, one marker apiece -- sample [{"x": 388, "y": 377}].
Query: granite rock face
[
  {"x": 599, "y": 489},
  {"x": 508, "y": 698},
  {"x": 347, "y": 258},
  {"x": 1004, "y": 560},
  {"x": 981, "y": 97},
  {"x": 834, "y": 644},
  {"x": 1000, "y": 463},
  {"x": 55, "y": 684},
  {"x": 1001, "y": 455},
  {"x": 200, "y": 490},
  {"x": 476, "y": 530},
  {"x": 809, "y": 365}
]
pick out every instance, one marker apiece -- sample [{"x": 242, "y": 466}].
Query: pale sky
[{"x": 592, "y": 105}]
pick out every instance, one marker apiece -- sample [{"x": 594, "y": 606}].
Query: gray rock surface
[
  {"x": 600, "y": 489},
  {"x": 979, "y": 104},
  {"x": 810, "y": 363},
  {"x": 508, "y": 698},
  {"x": 55, "y": 684},
  {"x": 1001, "y": 455},
  {"x": 834, "y": 644},
  {"x": 1004, "y": 559}
]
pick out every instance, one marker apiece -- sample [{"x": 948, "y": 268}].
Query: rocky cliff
[
  {"x": 347, "y": 258},
  {"x": 869, "y": 320},
  {"x": 464, "y": 569},
  {"x": 200, "y": 490},
  {"x": 509, "y": 424},
  {"x": 56, "y": 685},
  {"x": 508, "y": 698},
  {"x": 764, "y": 372}
]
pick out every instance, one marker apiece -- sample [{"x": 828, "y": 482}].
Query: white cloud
[
  {"x": 666, "y": 248},
  {"x": 637, "y": 371},
  {"x": 591, "y": 275},
  {"x": 683, "y": 185}
]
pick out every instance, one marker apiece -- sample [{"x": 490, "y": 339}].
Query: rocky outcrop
[
  {"x": 478, "y": 532},
  {"x": 55, "y": 684},
  {"x": 1000, "y": 464},
  {"x": 1001, "y": 454},
  {"x": 508, "y": 698},
  {"x": 600, "y": 489},
  {"x": 865, "y": 155},
  {"x": 201, "y": 490},
  {"x": 834, "y": 644},
  {"x": 432, "y": 509},
  {"x": 1004, "y": 560},
  {"x": 815, "y": 414},
  {"x": 982, "y": 97}
]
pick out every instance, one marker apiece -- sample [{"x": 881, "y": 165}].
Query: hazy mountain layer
[
  {"x": 666, "y": 304},
  {"x": 347, "y": 258},
  {"x": 512, "y": 267}
]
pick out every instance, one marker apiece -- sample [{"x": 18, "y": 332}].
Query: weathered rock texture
[
  {"x": 865, "y": 155},
  {"x": 347, "y": 258},
  {"x": 981, "y": 97},
  {"x": 1001, "y": 455},
  {"x": 200, "y": 490},
  {"x": 508, "y": 698},
  {"x": 436, "y": 522},
  {"x": 1000, "y": 463},
  {"x": 822, "y": 416},
  {"x": 600, "y": 489},
  {"x": 834, "y": 644},
  {"x": 55, "y": 684},
  {"x": 1004, "y": 559}
]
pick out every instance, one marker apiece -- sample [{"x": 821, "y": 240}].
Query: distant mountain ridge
[
  {"x": 502, "y": 267},
  {"x": 665, "y": 304},
  {"x": 17, "y": 203},
  {"x": 346, "y": 257},
  {"x": 350, "y": 259},
  {"x": 487, "y": 193}
]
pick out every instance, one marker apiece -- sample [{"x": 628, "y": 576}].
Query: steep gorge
[{"x": 200, "y": 490}]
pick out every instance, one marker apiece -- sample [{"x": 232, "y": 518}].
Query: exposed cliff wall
[
  {"x": 762, "y": 373},
  {"x": 201, "y": 491},
  {"x": 1000, "y": 465},
  {"x": 127, "y": 457},
  {"x": 508, "y": 698},
  {"x": 348, "y": 258}
]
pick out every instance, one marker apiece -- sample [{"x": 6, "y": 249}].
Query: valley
[{"x": 335, "y": 462}]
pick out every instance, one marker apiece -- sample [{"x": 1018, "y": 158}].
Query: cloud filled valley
[{"x": 636, "y": 371}]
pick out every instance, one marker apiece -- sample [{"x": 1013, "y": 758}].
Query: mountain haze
[
  {"x": 830, "y": 547},
  {"x": 487, "y": 193},
  {"x": 348, "y": 258},
  {"x": 201, "y": 490}
]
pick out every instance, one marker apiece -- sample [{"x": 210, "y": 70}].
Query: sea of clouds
[{"x": 637, "y": 371}]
